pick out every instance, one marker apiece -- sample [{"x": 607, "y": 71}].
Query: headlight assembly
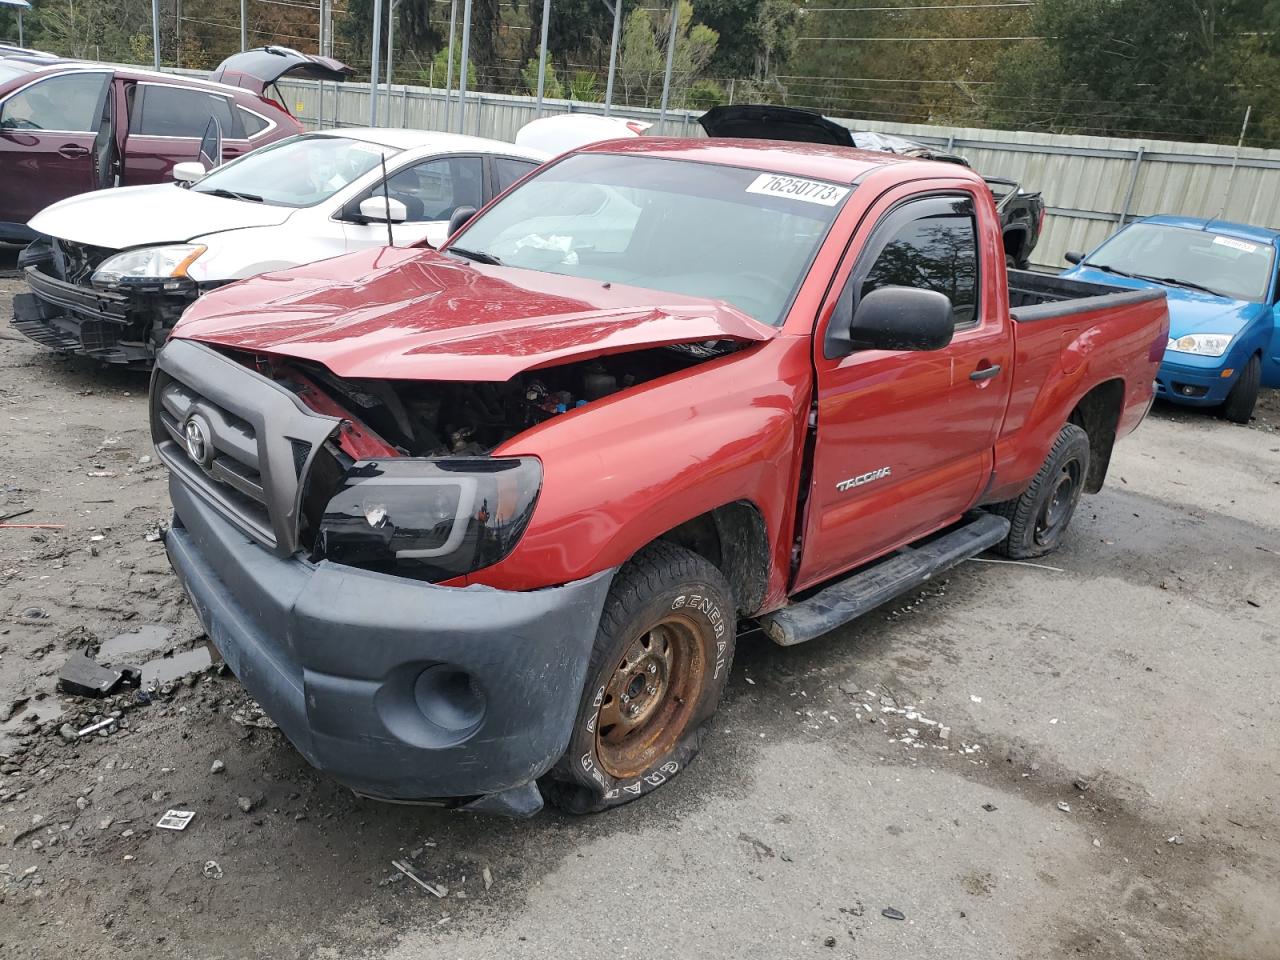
[
  {"x": 429, "y": 519},
  {"x": 1203, "y": 344},
  {"x": 149, "y": 265}
]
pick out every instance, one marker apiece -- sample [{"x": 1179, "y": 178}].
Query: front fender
[{"x": 621, "y": 472}]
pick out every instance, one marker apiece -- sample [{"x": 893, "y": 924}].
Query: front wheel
[
  {"x": 660, "y": 663},
  {"x": 1240, "y": 402},
  {"x": 1039, "y": 518}
]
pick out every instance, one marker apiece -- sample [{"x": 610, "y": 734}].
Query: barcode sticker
[
  {"x": 798, "y": 188},
  {"x": 1235, "y": 244}
]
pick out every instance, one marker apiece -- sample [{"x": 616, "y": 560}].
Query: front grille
[
  {"x": 241, "y": 441},
  {"x": 76, "y": 262}
]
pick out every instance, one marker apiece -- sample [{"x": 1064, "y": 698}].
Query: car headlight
[
  {"x": 149, "y": 265},
  {"x": 1204, "y": 344},
  {"x": 429, "y": 519}
]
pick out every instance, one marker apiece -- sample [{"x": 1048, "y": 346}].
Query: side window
[
  {"x": 433, "y": 189},
  {"x": 251, "y": 123},
  {"x": 932, "y": 245},
  {"x": 507, "y": 170},
  {"x": 69, "y": 103},
  {"x": 165, "y": 111}
]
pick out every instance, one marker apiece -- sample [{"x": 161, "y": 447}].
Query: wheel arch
[
  {"x": 1098, "y": 414},
  {"x": 733, "y": 538}
]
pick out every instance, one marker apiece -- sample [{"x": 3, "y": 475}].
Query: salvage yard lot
[{"x": 1108, "y": 785}]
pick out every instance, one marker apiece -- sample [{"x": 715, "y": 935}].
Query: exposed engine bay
[{"x": 466, "y": 419}]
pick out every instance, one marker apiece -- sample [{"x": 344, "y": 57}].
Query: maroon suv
[{"x": 69, "y": 126}]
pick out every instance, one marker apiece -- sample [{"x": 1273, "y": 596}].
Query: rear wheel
[
  {"x": 1039, "y": 518},
  {"x": 660, "y": 663},
  {"x": 1240, "y": 402}
]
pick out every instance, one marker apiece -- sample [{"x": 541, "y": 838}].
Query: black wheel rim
[{"x": 1055, "y": 512}]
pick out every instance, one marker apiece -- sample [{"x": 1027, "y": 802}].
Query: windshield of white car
[
  {"x": 298, "y": 172},
  {"x": 722, "y": 233},
  {"x": 1178, "y": 256}
]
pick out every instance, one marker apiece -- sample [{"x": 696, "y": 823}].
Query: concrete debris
[
  {"x": 1175, "y": 839},
  {"x": 245, "y": 804},
  {"x": 1064, "y": 806},
  {"x": 217, "y": 766}
]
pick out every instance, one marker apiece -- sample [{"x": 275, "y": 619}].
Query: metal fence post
[
  {"x": 1133, "y": 183},
  {"x": 542, "y": 56},
  {"x": 671, "y": 54},
  {"x": 448, "y": 74},
  {"x": 373, "y": 67},
  {"x": 244, "y": 28},
  {"x": 466, "y": 56},
  {"x": 155, "y": 32},
  {"x": 391, "y": 31},
  {"x": 613, "y": 56}
]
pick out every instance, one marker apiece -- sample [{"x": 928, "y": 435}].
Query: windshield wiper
[
  {"x": 232, "y": 195},
  {"x": 479, "y": 256},
  {"x": 1182, "y": 283},
  {"x": 1106, "y": 269}
]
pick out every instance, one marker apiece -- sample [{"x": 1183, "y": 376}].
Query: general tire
[
  {"x": 1240, "y": 402},
  {"x": 661, "y": 659},
  {"x": 1039, "y": 518}
]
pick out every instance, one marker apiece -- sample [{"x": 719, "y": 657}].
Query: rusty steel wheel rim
[{"x": 649, "y": 697}]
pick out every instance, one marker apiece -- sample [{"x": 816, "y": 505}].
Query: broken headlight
[{"x": 429, "y": 519}]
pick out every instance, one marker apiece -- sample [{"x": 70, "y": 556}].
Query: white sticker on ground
[
  {"x": 1235, "y": 244},
  {"x": 798, "y": 188}
]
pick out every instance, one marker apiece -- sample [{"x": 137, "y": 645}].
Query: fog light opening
[{"x": 450, "y": 698}]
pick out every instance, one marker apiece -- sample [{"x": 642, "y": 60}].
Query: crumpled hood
[
  {"x": 413, "y": 314},
  {"x": 1190, "y": 311},
  {"x": 158, "y": 213}
]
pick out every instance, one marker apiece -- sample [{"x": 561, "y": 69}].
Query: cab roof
[{"x": 823, "y": 161}]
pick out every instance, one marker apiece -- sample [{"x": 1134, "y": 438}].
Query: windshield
[
  {"x": 1226, "y": 266},
  {"x": 722, "y": 233},
  {"x": 297, "y": 172}
]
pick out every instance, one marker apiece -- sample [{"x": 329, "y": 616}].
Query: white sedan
[{"x": 115, "y": 268}]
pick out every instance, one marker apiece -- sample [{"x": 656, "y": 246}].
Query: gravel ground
[{"x": 1108, "y": 787}]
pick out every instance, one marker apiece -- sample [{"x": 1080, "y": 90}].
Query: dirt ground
[{"x": 1109, "y": 785}]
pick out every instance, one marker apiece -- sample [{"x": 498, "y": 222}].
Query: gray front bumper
[{"x": 334, "y": 655}]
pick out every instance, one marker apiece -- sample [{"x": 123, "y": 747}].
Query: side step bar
[{"x": 868, "y": 588}]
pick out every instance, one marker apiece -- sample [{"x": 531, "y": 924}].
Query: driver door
[
  {"x": 47, "y": 137},
  {"x": 430, "y": 190},
  {"x": 905, "y": 439}
]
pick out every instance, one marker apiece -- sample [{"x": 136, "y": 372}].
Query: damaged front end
[{"x": 73, "y": 309}]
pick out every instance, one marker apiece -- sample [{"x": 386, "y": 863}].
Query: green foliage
[
  {"x": 642, "y": 61},
  {"x": 551, "y": 85},
  {"x": 438, "y": 73},
  {"x": 583, "y": 87},
  {"x": 757, "y": 37}
]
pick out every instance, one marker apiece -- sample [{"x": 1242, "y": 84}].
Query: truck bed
[{"x": 1035, "y": 296}]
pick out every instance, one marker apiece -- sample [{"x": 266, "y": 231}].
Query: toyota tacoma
[{"x": 477, "y": 526}]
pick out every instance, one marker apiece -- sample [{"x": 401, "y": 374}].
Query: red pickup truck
[{"x": 477, "y": 526}]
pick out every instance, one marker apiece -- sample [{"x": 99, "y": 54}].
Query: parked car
[
  {"x": 114, "y": 270},
  {"x": 1022, "y": 212},
  {"x": 69, "y": 126},
  {"x": 568, "y": 131},
  {"x": 1221, "y": 280},
  {"x": 476, "y": 526}
]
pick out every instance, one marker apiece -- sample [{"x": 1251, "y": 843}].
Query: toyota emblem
[{"x": 199, "y": 443}]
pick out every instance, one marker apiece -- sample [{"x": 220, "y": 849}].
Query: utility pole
[
  {"x": 542, "y": 57},
  {"x": 613, "y": 55},
  {"x": 155, "y": 32},
  {"x": 448, "y": 74},
  {"x": 466, "y": 55},
  {"x": 671, "y": 53},
  {"x": 373, "y": 67}
]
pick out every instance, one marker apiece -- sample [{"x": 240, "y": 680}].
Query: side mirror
[
  {"x": 459, "y": 219},
  {"x": 892, "y": 318},
  {"x": 382, "y": 209},
  {"x": 211, "y": 144},
  {"x": 188, "y": 171},
  {"x": 1073, "y": 256}
]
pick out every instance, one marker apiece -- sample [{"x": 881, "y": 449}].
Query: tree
[
  {"x": 642, "y": 61},
  {"x": 757, "y": 37},
  {"x": 551, "y": 85}
]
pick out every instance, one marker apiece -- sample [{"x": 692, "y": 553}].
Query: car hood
[
  {"x": 413, "y": 314},
  {"x": 160, "y": 213},
  {"x": 1190, "y": 311}
]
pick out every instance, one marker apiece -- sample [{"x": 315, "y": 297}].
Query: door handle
[
  {"x": 986, "y": 373},
  {"x": 73, "y": 151}
]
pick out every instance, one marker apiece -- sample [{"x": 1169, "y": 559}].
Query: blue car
[{"x": 1224, "y": 328}]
